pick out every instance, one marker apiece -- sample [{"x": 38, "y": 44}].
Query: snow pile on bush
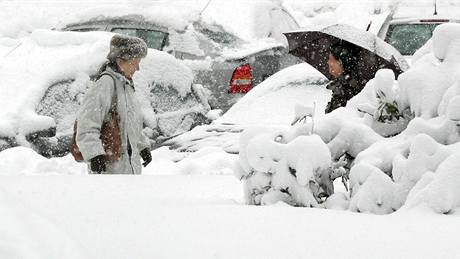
[
  {"x": 275, "y": 168},
  {"x": 398, "y": 141}
]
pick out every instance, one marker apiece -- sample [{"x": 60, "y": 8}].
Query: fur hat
[{"x": 126, "y": 47}]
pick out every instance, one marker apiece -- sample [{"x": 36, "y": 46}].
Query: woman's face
[
  {"x": 128, "y": 67},
  {"x": 335, "y": 67}
]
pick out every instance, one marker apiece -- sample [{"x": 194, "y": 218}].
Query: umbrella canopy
[{"x": 312, "y": 46}]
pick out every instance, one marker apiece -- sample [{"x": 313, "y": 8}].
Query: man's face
[{"x": 335, "y": 67}]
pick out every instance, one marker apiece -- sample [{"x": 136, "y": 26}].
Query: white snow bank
[
  {"x": 22, "y": 231},
  {"x": 207, "y": 161},
  {"x": 150, "y": 216},
  {"x": 12, "y": 162}
]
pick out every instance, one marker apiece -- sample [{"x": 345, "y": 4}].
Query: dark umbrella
[{"x": 312, "y": 46}]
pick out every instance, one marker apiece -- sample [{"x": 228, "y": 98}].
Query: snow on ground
[{"x": 195, "y": 216}]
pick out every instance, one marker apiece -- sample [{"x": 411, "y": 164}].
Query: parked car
[
  {"x": 409, "y": 28},
  {"x": 271, "y": 104},
  {"x": 60, "y": 68},
  {"x": 222, "y": 61}
]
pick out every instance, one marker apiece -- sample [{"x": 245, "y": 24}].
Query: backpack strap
[{"x": 113, "y": 106}]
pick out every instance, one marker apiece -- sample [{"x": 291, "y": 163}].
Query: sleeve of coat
[
  {"x": 95, "y": 107},
  {"x": 144, "y": 142}
]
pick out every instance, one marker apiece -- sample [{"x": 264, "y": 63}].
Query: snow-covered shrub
[
  {"x": 297, "y": 172},
  {"x": 304, "y": 171},
  {"x": 380, "y": 104},
  {"x": 343, "y": 132},
  {"x": 375, "y": 195},
  {"x": 425, "y": 155},
  {"x": 358, "y": 175},
  {"x": 255, "y": 182},
  {"x": 423, "y": 91},
  {"x": 337, "y": 201},
  {"x": 255, "y": 186},
  {"x": 445, "y": 129},
  {"x": 439, "y": 191},
  {"x": 431, "y": 91},
  {"x": 419, "y": 163},
  {"x": 276, "y": 133}
]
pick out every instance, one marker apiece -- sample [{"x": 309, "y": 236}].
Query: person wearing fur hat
[
  {"x": 342, "y": 61},
  {"x": 114, "y": 92}
]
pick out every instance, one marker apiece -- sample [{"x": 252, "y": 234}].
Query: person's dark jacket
[{"x": 343, "y": 89}]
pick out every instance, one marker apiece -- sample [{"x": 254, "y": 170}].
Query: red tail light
[{"x": 241, "y": 81}]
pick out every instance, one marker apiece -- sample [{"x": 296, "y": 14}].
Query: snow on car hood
[{"x": 46, "y": 57}]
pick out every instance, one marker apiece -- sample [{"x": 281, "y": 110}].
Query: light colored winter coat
[{"x": 95, "y": 110}]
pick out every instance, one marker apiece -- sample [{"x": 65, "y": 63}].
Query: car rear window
[
  {"x": 154, "y": 39},
  {"x": 408, "y": 38}
]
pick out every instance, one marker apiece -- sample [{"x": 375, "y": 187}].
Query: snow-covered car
[
  {"x": 273, "y": 103},
  {"x": 229, "y": 51},
  {"x": 408, "y": 28},
  {"x": 49, "y": 72}
]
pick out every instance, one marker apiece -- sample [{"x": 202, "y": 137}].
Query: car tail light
[{"x": 241, "y": 81}]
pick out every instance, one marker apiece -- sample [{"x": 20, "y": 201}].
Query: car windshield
[
  {"x": 154, "y": 39},
  {"x": 408, "y": 38}
]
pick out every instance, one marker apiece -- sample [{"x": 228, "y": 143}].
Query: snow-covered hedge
[{"x": 397, "y": 142}]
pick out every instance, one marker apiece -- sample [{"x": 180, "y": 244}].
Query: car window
[
  {"x": 154, "y": 39},
  {"x": 408, "y": 38}
]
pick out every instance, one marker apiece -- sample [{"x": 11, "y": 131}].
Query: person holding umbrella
[
  {"x": 346, "y": 55},
  {"x": 342, "y": 63}
]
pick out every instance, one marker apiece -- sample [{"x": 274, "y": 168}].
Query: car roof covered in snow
[
  {"x": 426, "y": 12},
  {"x": 134, "y": 20},
  {"x": 246, "y": 19}
]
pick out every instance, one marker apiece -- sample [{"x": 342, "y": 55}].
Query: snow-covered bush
[
  {"x": 376, "y": 195},
  {"x": 439, "y": 191},
  {"x": 296, "y": 172},
  {"x": 401, "y": 136}
]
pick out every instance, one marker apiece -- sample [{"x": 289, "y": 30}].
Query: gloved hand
[
  {"x": 98, "y": 164},
  {"x": 146, "y": 156}
]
